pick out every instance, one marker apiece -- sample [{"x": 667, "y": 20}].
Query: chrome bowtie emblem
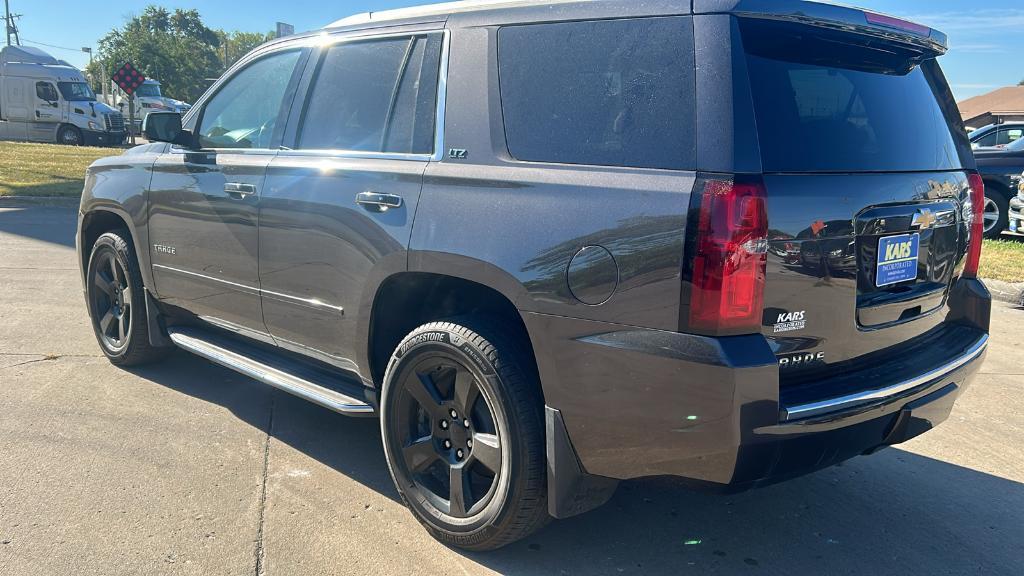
[{"x": 923, "y": 219}]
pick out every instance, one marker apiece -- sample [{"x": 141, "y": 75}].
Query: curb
[{"x": 1012, "y": 292}]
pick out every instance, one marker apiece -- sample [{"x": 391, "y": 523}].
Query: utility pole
[
  {"x": 7, "y": 20},
  {"x": 88, "y": 71},
  {"x": 9, "y": 25}
]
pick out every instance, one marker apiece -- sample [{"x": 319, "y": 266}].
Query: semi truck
[
  {"x": 148, "y": 98},
  {"x": 44, "y": 99}
]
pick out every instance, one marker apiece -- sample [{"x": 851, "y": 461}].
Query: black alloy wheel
[
  {"x": 463, "y": 430},
  {"x": 450, "y": 444},
  {"x": 117, "y": 301},
  {"x": 111, "y": 300}
]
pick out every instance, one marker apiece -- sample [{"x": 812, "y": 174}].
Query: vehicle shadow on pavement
[
  {"x": 349, "y": 445},
  {"x": 55, "y": 224},
  {"x": 891, "y": 513}
]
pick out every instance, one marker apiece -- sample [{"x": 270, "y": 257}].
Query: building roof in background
[{"x": 1008, "y": 100}]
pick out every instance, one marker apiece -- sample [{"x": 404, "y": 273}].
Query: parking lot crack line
[
  {"x": 36, "y": 358},
  {"x": 259, "y": 568}
]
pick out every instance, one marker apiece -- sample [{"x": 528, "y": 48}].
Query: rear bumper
[{"x": 638, "y": 402}]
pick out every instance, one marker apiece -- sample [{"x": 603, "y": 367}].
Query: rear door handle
[
  {"x": 378, "y": 202},
  {"x": 239, "y": 190}
]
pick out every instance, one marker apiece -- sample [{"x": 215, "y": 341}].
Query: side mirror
[{"x": 166, "y": 127}]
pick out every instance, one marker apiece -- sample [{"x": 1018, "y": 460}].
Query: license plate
[{"x": 897, "y": 259}]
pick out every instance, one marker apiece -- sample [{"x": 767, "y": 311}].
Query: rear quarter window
[{"x": 610, "y": 92}]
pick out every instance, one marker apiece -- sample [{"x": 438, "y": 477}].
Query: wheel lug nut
[
  {"x": 469, "y": 443},
  {"x": 447, "y": 444},
  {"x": 458, "y": 453},
  {"x": 453, "y": 413},
  {"x": 465, "y": 422},
  {"x": 444, "y": 424}
]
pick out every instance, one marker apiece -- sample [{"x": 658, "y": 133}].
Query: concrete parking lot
[{"x": 187, "y": 468}]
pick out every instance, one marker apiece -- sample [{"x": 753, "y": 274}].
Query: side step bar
[{"x": 272, "y": 371}]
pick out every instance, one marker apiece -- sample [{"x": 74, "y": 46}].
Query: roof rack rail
[{"x": 440, "y": 9}]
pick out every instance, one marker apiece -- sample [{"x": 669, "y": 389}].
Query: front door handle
[
  {"x": 378, "y": 202},
  {"x": 239, "y": 190}
]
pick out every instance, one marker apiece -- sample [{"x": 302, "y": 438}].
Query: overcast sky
[{"x": 985, "y": 35}]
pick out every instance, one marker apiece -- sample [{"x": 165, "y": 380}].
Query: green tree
[
  {"x": 175, "y": 48},
  {"x": 234, "y": 45}
]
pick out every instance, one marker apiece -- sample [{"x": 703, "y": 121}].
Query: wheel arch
[
  {"x": 997, "y": 184},
  {"x": 406, "y": 300},
  {"x": 99, "y": 221}
]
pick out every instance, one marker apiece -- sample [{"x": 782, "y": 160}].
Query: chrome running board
[{"x": 273, "y": 371}]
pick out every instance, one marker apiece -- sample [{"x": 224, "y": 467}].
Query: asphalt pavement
[{"x": 188, "y": 468}]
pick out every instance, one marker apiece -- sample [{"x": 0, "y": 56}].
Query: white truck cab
[
  {"x": 148, "y": 98},
  {"x": 43, "y": 99}
]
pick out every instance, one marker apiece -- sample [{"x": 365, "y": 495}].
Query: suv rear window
[
  {"x": 826, "y": 105},
  {"x": 610, "y": 92}
]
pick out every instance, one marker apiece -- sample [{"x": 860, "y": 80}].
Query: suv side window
[
  {"x": 609, "y": 92},
  {"x": 1008, "y": 135},
  {"x": 46, "y": 92},
  {"x": 374, "y": 96},
  {"x": 245, "y": 110},
  {"x": 986, "y": 140}
]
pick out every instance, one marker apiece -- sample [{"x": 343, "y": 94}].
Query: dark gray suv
[{"x": 554, "y": 245}]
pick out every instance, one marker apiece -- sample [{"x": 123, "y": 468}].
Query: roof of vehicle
[
  {"x": 439, "y": 9},
  {"x": 827, "y": 14},
  {"x": 991, "y": 126},
  {"x": 30, "y": 62},
  {"x": 26, "y": 55}
]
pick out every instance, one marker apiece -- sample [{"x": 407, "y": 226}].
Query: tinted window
[
  {"x": 76, "y": 91},
  {"x": 374, "y": 96},
  {"x": 45, "y": 91},
  {"x": 832, "y": 106},
  {"x": 1008, "y": 135},
  {"x": 987, "y": 140},
  {"x": 245, "y": 110},
  {"x": 613, "y": 92}
]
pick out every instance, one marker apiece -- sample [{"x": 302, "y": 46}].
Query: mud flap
[
  {"x": 157, "y": 334},
  {"x": 571, "y": 491}
]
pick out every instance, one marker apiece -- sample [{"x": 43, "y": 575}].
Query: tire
[
  {"x": 996, "y": 213},
  {"x": 70, "y": 136},
  {"x": 117, "y": 302},
  {"x": 497, "y": 450}
]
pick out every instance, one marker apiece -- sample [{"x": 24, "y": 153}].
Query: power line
[{"x": 51, "y": 45}]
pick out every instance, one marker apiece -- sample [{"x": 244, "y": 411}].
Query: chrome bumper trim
[{"x": 881, "y": 395}]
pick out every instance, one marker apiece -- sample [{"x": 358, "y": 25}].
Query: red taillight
[
  {"x": 729, "y": 261},
  {"x": 897, "y": 23},
  {"x": 977, "y": 225}
]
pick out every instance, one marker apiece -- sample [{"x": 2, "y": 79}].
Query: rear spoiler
[{"x": 834, "y": 17}]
